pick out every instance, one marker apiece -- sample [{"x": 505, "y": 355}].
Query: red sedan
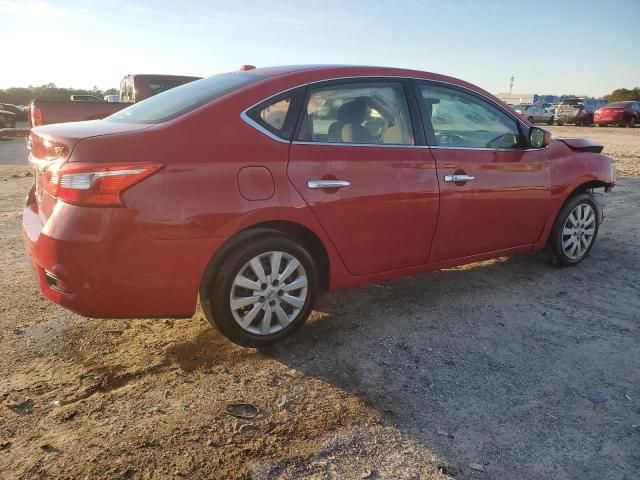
[
  {"x": 618, "y": 113},
  {"x": 255, "y": 190}
]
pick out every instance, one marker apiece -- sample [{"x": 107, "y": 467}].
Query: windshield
[{"x": 185, "y": 98}]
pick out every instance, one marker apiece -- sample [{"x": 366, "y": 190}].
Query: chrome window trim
[
  {"x": 261, "y": 129},
  {"x": 350, "y": 144}
]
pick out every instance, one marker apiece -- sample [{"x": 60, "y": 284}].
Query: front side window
[
  {"x": 464, "y": 120},
  {"x": 361, "y": 113}
]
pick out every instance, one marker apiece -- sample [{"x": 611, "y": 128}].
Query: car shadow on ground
[{"x": 476, "y": 363}]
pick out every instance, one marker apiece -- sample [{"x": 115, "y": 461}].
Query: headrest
[{"x": 353, "y": 112}]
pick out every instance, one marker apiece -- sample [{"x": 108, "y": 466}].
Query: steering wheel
[
  {"x": 448, "y": 139},
  {"x": 506, "y": 140}
]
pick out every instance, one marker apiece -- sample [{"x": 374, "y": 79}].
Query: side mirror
[{"x": 539, "y": 138}]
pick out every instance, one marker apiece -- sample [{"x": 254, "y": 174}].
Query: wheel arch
[{"x": 295, "y": 230}]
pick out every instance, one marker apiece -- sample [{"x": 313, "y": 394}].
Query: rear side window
[
  {"x": 361, "y": 113},
  {"x": 183, "y": 99}
]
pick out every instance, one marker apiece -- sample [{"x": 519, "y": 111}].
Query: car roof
[
  {"x": 329, "y": 69},
  {"x": 315, "y": 73}
]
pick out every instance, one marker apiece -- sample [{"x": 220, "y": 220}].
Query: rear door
[
  {"x": 358, "y": 163},
  {"x": 494, "y": 191}
]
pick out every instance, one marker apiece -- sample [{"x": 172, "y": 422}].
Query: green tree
[
  {"x": 23, "y": 95},
  {"x": 622, "y": 94}
]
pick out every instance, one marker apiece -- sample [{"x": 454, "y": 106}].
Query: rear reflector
[{"x": 94, "y": 184}]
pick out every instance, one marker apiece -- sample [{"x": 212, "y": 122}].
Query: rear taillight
[
  {"x": 36, "y": 116},
  {"x": 93, "y": 184}
]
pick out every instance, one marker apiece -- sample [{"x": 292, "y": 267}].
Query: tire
[
  {"x": 550, "y": 121},
  {"x": 531, "y": 119},
  {"x": 221, "y": 283},
  {"x": 631, "y": 123},
  {"x": 575, "y": 230}
]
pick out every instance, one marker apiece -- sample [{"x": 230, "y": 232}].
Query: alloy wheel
[
  {"x": 268, "y": 292},
  {"x": 579, "y": 231}
]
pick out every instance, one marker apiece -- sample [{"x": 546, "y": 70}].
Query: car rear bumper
[
  {"x": 611, "y": 120},
  {"x": 98, "y": 262}
]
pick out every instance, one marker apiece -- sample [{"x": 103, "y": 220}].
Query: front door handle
[
  {"x": 327, "y": 183},
  {"x": 458, "y": 178}
]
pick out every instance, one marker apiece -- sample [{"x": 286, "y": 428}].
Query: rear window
[
  {"x": 185, "y": 98},
  {"x": 618, "y": 104}
]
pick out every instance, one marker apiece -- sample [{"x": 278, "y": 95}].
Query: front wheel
[
  {"x": 575, "y": 230},
  {"x": 262, "y": 291},
  {"x": 550, "y": 121},
  {"x": 632, "y": 122}
]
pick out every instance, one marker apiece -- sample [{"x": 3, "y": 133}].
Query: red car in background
[
  {"x": 618, "y": 113},
  {"x": 255, "y": 190}
]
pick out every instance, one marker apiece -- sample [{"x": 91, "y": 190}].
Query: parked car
[
  {"x": 134, "y": 88},
  {"x": 112, "y": 98},
  {"x": 577, "y": 110},
  {"x": 256, "y": 190},
  {"x": 7, "y": 118},
  {"x": 535, "y": 113},
  {"x": 20, "y": 115},
  {"x": 619, "y": 113}
]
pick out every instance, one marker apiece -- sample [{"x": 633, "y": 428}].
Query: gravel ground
[
  {"x": 508, "y": 368},
  {"x": 12, "y": 150}
]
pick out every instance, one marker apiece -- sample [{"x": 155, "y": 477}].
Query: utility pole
[{"x": 511, "y": 84}]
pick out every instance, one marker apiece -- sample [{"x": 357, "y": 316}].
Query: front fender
[{"x": 572, "y": 171}]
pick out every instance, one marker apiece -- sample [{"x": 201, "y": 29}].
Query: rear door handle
[
  {"x": 327, "y": 183},
  {"x": 458, "y": 178}
]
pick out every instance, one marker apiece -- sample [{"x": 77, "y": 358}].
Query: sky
[{"x": 585, "y": 47}]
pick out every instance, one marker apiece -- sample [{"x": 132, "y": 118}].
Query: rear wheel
[
  {"x": 575, "y": 230},
  {"x": 632, "y": 122},
  {"x": 262, "y": 291},
  {"x": 550, "y": 121}
]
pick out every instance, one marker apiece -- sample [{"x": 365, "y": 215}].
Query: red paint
[{"x": 221, "y": 176}]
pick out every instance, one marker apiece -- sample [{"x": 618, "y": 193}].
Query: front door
[
  {"x": 494, "y": 191},
  {"x": 356, "y": 164}
]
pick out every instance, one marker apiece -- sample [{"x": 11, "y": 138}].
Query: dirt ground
[{"x": 501, "y": 369}]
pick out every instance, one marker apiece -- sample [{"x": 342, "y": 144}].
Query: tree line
[
  {"x": 622, "y": 94},
  {"x": 23, "y": 95}
]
